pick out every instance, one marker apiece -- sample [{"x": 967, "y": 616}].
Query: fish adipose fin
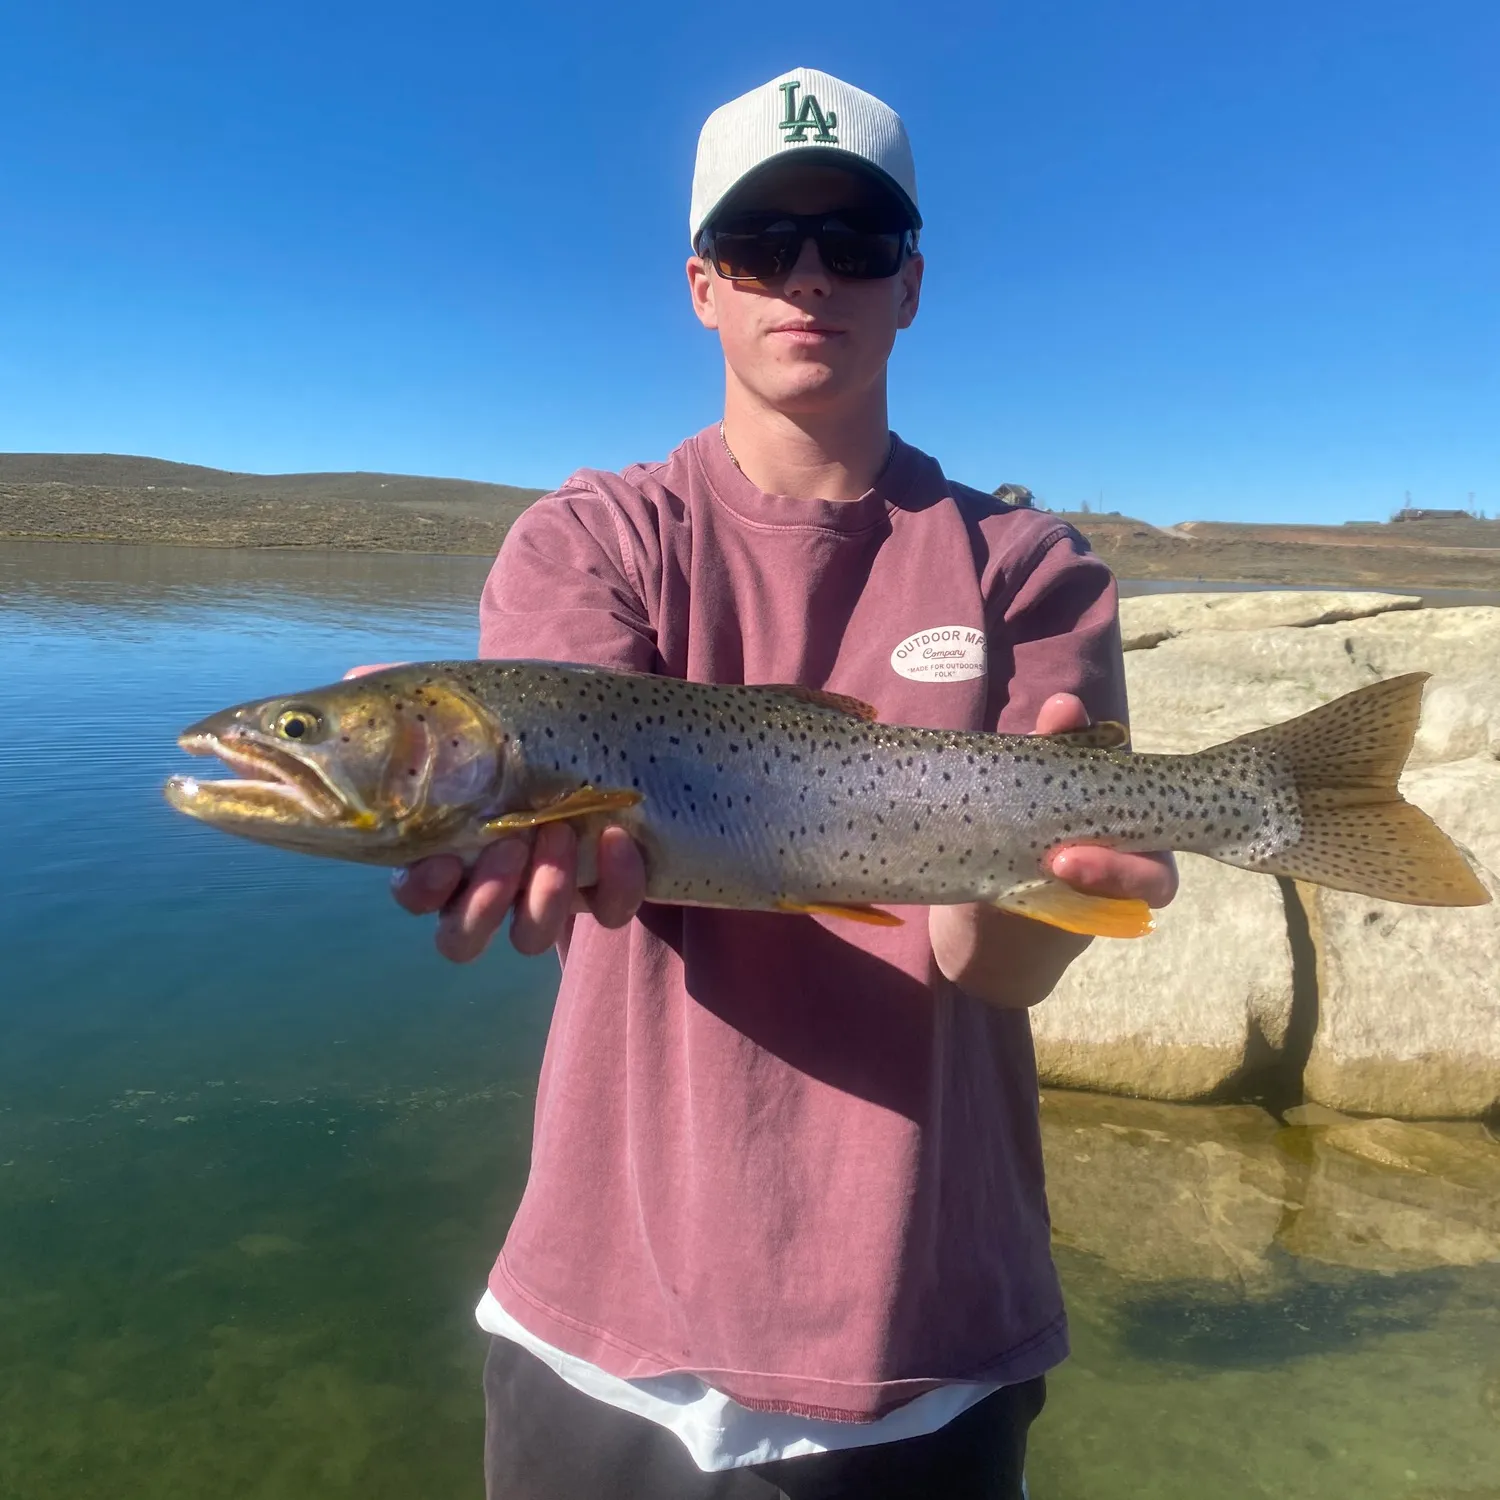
[
  {"x": 873, "y": 915},
  {"x": 839, "y": 702},
  {"x": 1107, "y": 734},
  {"x": 1059, "y": 905},
  {"x": 576, "y": 804},
  {"x": 1357, "y": 832}
]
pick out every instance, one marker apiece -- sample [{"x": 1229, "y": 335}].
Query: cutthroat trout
[{"x": 791, "y": 799}]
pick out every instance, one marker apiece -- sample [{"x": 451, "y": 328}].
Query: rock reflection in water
[
  {"x": 1246, "y": 1243},
  {"x": 1167, "y": 1192},
  {"x": 1308, "y": 1310}
]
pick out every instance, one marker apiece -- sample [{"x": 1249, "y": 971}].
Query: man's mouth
[{"x": 808, "y": 332}]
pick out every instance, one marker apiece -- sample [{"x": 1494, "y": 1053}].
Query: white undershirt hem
[{"x": 717, "y": 1430}]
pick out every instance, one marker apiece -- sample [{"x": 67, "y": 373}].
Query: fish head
[{"x": 381, "y": 769}]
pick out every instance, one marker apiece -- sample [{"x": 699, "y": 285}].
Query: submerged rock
[
  {"x": 1386, "y": 1195},
  {"x": 1222, "y": 1193},
  {"x": 1161, "y": 1191}
]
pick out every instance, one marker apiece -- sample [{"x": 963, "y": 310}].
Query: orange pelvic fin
[
  {"x": 839, "y": 702},
  {"x": 1060, "y": 905},
  {"x": 872, "y": 915},
  {"x": 576, "y": 804}
]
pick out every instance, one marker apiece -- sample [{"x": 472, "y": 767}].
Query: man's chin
[{"x": 812, "y": 389}]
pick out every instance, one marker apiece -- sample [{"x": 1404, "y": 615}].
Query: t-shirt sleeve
[
  {"x": 565, "y": 587},
  {"x": 1059, "y": 632}
]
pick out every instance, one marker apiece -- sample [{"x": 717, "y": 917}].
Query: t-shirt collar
[{"x": 896, "y": 487}]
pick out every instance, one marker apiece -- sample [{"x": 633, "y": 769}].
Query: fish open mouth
[{"x": 270, "y": 780}]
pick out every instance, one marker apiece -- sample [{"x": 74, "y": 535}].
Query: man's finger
[
  {"x": 546, "y": 903},
  {"x": 428, "y": 885},
  {"x": 479, "y": 907},
  {"x": 621, "y": 885},
  {"x": 1061, "y": 712},
  {"x": 1097, "y": 871}
]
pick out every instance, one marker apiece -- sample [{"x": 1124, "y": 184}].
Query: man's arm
[
  {"x": 1059, "y": 630},
  {"x": 1011, "y": 961}
]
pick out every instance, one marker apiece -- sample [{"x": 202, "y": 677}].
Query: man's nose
[{"x": 809, "y": 276}]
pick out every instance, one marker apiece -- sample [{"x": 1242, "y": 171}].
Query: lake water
[{"x": 258, "y": 1144}]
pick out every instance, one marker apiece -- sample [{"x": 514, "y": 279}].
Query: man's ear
[
  {"x": 701, "y": 287},
  {"x": 911, "y": 290}
]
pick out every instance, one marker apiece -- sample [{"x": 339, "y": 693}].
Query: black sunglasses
[{"x": 765, "y": 246}]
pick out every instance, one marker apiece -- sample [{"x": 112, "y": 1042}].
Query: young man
[{"x": 785, "y": 1231}]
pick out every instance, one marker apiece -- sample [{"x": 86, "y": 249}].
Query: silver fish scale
[{"x": 750, "y": 795}]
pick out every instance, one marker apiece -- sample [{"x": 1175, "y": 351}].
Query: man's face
[{"x": 811, "y": 341}]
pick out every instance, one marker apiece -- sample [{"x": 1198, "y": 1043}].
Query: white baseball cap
[{"x": 812, "y": 114}]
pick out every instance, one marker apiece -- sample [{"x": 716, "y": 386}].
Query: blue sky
[{"x": 1195, "y": 260}]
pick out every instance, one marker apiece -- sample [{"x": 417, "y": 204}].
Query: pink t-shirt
[{"x": 783, "y": 1153}]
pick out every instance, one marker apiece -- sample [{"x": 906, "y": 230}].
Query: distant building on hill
[
  {"x": 1015, "y": 494},
  {"x": 1416, "y": 513}
]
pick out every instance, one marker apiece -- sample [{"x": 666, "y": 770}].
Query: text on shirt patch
[{"x": 946, "y": 653}]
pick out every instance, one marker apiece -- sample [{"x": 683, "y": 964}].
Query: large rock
[
  {"x": 1210, "y": 685},
  {"x": 1148, "y": 619},
  {"x": 1162, "y": 1192},
  {"x": 1382, "y": 1195},
  {"x": 1409, "y": 996},
  {"x": 1180, "y": 1014}
]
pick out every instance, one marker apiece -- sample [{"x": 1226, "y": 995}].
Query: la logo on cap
[{"x": 799, "y": 121}]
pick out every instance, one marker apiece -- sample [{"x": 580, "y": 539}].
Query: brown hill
[
  {"x": 1463, "y": 554},
  {"x": 119, "y": 497},
  {"x": 115, "y": 497}
]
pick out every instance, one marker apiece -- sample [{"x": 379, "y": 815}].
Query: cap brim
[{"x": 860, "y": 166}]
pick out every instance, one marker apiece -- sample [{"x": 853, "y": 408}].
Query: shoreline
[{"x": 1269, "y": 565}]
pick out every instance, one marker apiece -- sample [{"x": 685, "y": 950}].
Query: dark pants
[{"x": 544, "y": 1440}]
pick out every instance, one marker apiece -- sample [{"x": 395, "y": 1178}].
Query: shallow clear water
[{"x": 258, "y": 1144}]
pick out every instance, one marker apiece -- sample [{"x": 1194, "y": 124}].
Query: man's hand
[
  {"x": 1014, "y": 961},
  {"x": 533, "y": 878}
]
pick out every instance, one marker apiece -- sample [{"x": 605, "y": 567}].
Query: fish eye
[{"x": 299, "y": 724}]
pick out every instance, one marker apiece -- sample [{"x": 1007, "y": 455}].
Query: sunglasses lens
[
  {"x": 755, "y": 254},
  {"x": 860, "y": 255}
]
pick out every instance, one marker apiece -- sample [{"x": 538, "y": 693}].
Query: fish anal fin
[
  {"x": 855, "y": 912},
  {"x": 820, "y": 698},
  {"x": 582, "y": 803},
  {"x": 1059, "y": 905},
  {"x": 1107, "y": 734}
]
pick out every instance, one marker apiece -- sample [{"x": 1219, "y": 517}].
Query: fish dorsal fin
[
  {"x": 819, "y": 698},
  {"x": 1107, "y": 734}
]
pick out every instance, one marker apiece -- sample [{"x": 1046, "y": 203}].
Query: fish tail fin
[{"x": 1358, "y": 833}]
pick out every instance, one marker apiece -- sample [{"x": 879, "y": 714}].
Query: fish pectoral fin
[
  {"x": 855, "y": 912},
  {"x": 576, "y": 804},
  {"x": 1060, "y": 905},
  {"x": 819, "y": 698},
  {"x": 1107, "y": 734}
]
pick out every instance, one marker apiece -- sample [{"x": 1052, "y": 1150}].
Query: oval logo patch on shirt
[{"x": 946, "y": 653}]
